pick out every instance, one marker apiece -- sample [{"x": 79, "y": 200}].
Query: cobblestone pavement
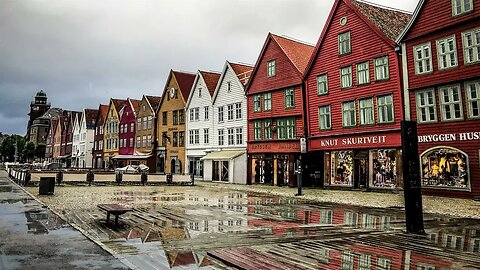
[
  {"x": 32, "y": 237},
  {"x": 214, "y": 226}
]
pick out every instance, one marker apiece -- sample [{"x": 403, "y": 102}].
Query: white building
[
  {"x": 199, "y": 125},
  {"x": 83, "y": 138},
  {"x": 227, "y": 160}
]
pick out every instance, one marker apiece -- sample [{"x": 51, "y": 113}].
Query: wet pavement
[
  {"x": 31, "y": 237},
  {"x": 206, "y": 228}
]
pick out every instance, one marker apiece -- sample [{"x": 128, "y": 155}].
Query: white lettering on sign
[
  {"x": 449, "y": 137},
  {"x": 355, "y": 141}
]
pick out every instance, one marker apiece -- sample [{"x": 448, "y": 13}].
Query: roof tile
[{"x": 298, "y": 52}]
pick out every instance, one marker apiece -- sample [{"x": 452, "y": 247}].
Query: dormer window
[
  {"x": 200, "y": 92},
  {"x": 229, "y": 87},
  {"x": 271, "y": 68},
  {"x": 461, "y": 6}
]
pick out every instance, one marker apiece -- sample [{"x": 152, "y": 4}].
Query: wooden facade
[
  {"x": 275, "y": 109},
  {"x": 111, "y": 129},
  {"x": 170, "y": 156},
  {"x": 98, "y": 143},
  {"x": 354, "y": 98},
  {"x": 442, "y": 82}
]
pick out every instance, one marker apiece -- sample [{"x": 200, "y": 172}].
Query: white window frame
[
  {"x": 207, "y": 114},
  {"x": 449, "y": 54},
  {"x": 346, "y": 80},
  {"x": 463, "y": 7},
  {"x": 238, "y": 110},
  {"x": 220, "y": 114},
  {"x": 206, "y": 133},
  {"x": 196, "y": 113},
  {"x": 271, "y": 68},
  {"x": 423, "y": 61},
  {"x": 366, "y": 111},
  {"x": 221, "y": 138},
  {"x": 230, "y": 112},
  {"x": 382, "y": 71},
  {"x": 257, "y": 130},
  {"x": 325, "y": 117},
  {"x": 322, "y": 84},
  {"x": 346, "y": 113},
  {"x": 363, "y": 73},
  {"x": 267, "y": 101},
  {"x": 257, "y": 103},
  {"x": 196, "y": 136},
  {"x": 290, "y": 98},
  {"x": 267, "y": 129},
  {"x": 450, "y": 105},
  {"x": 231, "y": 136},
  {"x": 344, "y": 43},
  {"x": 473, "y": 47},
  {"x": 383, "y": 107},
  {"x": 239, "y": 135},
  {"x": 427, "y": 106},
  {"x": 473, "y": 99}
]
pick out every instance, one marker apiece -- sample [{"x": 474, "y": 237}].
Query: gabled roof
[
  {"x": 211, "y": 80},
  {"x": 390, "y": 21},
  {"x": 90, "y": 116},
  {"x": 416, "y": 12},
  {"x": 297, "y": 52},
  {"x": 382, "y": 20},
  {"x": 102, "y": 113},
  {"x": 135, "y": 103},
  {"x": 185, "y": 82},
  {"x": 154, "y": 102},
  {"x": 119, "y": 103},
  {"x": 51, "y": 113},
  {"x": 243, "y": 71}
]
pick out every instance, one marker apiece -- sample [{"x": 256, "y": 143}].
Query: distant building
[
  {"x": 41, "y": 125},
  {"x": 37, "y": 108},
  {"x": 98, "y": 162}
]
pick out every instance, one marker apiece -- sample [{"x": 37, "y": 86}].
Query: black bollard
[
  {"x": 59, "y": 177},
  {"x": 299, "y": 176},
  {"x": 118, "y": 177},
  {"x": 144, "y": 178},
  {"x": 90, "y": 177}
]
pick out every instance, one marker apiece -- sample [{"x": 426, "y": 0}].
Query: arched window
[{"x": 445, "y": 167}]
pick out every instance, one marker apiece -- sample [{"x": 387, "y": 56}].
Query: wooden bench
[{"x": 114, "y": 209}]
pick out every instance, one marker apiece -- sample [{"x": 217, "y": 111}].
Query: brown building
[
  {"x": 98, "y": 144},
  {"x": 111, "y": 128},
  {"x": 37, "y": 108},
  {"x": 39, "y": 130},
  {"x": 171, "y": 122}
]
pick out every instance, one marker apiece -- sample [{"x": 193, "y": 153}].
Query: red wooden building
[
  {"x": 354, "y": 98},
  {"x": 126, "y": 134},
  {"x": 441, "y": 60},
  {"x": 98, "y": 144},
  {"x": 275, "y": 110}
]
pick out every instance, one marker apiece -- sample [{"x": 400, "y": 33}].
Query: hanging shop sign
[
  {"x": 450, "y": 137},
  {"x": 274, "y": 147}
]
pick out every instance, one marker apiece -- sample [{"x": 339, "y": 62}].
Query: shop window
[
  {"x": 385, "y": 167},
  {"x": 342, "y": 169},
  {"x": 445, "y": 167}
]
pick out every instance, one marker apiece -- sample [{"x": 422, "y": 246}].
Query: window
[
  {"x": 447, "y": 53},
  {"x": 344, "y": 46},
  {"x": 365, "y": 107},
  {"x": 206, "y": 136},
  {"x": 229, "y": 87},
  {"x": 190, "y": 137},
  {"x": 206, "y": 112},
  {"x": 347, "y": 260},
  {"x": 256, "y": 103},
  {"x": 322, "y": 84},
  {"x": 471, "y": 46},
  {"x": 349, "y": 114},
  {"x": 164, "y": 138},
  {"x": 381, "y": 68},
  {"x": 175, "y": 117},
  {"x": 220, "y": 137},
  {"x": 289, "y": 98},
  {"x": 271, "y": 68},
  {"x": 149, "y": 140},
  {"x": 150, "y": 122},
  {"x": 286, "y": 128},
  {"x": 384, "y": 264},
  {"x": 238, "y": 110},
  {"x": 220, "y": 114},
  {"x": 164, "y": 118},
  {"x": 267, "y": 101},
  {"x": 326, "y": 217},
  {"x": 197, "y": 113},
  {"x": 230, "y": 134},
  {"x": 423, "y": 58},
  {"x": 199, "y": 92},
  {"x": 363, "y": 75},
  {"x": 131, "y": 142},
  {"x": 324, "y": 117},
  {"x": 385, "y": 109},
  {"x": 426, "y": 107},
  {"x": 144, "y": 141},
  {"x": 181, "y": 117},
  {"x": 257, "y": 130},
  {"x": 175, "y": 139},
  {"x": 267, "y": 129},
  {"x": 473, "y": 99},
  {"x": 181, "y": 138},
  {"x": 451, "y": 103},
  {"x": 461, "y": 6},
  {"x": 239, "y": 135},
  {"x": 346, "y": 77},
  {"x": 138, "y": 142},
  {"x": 364, "y": 262},
  {"x": 196, "y": 134},
  {"x": 144, "y": 123},
  {"x": 230, "y": 112},
  {"x": 132, "y": 127}
]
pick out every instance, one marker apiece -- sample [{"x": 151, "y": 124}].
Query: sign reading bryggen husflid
[{"x": 441, "y": 67}]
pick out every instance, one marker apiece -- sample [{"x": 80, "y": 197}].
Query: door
[
  {"x": 215, "y": 172},
  {"x": 360, "y": 173},
  {"x": 224, "y": 171},
  {"x": 172, "y": 166}
]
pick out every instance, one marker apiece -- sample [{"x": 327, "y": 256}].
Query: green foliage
[
  {"x": 40, "y": 151},
  {"x": 28, "y": 152},
  {"x": 7, "y": 148}
]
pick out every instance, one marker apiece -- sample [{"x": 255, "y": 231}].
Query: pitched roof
[
  {"x": 211, "y": 80},
  {"x": 103, "y": 111},
  {"x": 154, "y": 101},
  {"x": 118, "y": 103},
  {"x": 185, "y": 82},
  {"x": 390, "y": 21},
  {"x": 91, "y": 116},
  {"x": 242, "y": 71},
  {"x": 135, "y": 104},
  {"x": 297, "y": 52}
]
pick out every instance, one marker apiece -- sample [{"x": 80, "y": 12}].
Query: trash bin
[
  {"x": 59, "y": 177},
  {"x": 46, "y": 186},
  {"x": 118, "y": 177},
  {"x": 90, "y": 177},
  {"x": 144, "y": 178},
  {"x": 169, "y": 178}
]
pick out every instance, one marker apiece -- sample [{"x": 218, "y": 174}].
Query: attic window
[
  {"x": 200, "y": 92},
  {"x": 229, "y": 86},
  {"x": 461, "y": 6},
  {"x": 343, "y": 21},
  {"x": 271, "y": 69}
]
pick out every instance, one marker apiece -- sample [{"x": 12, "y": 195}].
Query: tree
[
  {"x": 28, "y": 152},
  {"x": 40, "y": 151},
  {"x": 7, "y": 148}
]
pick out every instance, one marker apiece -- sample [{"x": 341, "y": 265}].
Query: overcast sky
[{"x": 84, "y": 52}]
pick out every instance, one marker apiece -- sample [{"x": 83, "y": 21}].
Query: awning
[
  {"x": 131, "y": 156},
  {"x": 227, "y": 154}
]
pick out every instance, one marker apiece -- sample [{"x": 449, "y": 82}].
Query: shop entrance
[
  {"x": 360, "y": 168},
  {"x": 220, "y": 171}
]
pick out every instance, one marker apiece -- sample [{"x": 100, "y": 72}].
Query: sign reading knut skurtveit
[
  {"x": 450, "y": 137},
  {"x": 365, "y": 141}
]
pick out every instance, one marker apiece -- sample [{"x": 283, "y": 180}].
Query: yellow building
[
  {"x": 171, "y": 122},
  {"x": 110, "y": 134}
]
